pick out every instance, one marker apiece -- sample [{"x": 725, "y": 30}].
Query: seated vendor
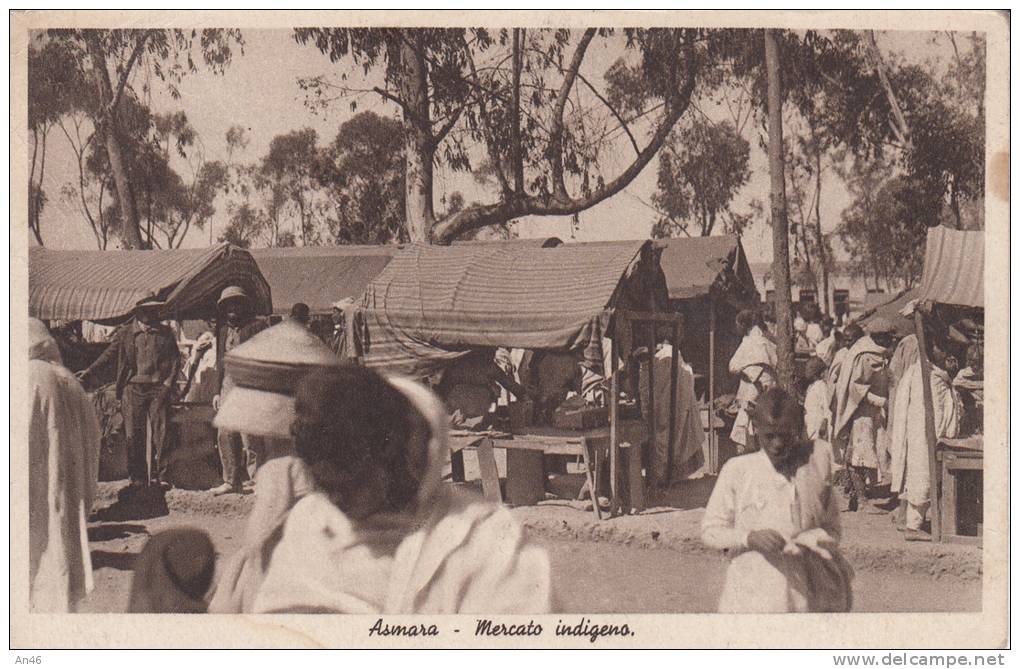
[
  {"x": 470, "y": 386},
  {"x": 969, "y": 383}
]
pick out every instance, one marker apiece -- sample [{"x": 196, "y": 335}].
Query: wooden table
[
  {"x": 526, "y": 450},
  {"x": 954, "y": 456}
]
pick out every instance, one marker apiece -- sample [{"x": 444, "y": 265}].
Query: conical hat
[{"x": 265, "y": 372}]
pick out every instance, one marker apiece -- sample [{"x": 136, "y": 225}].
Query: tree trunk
[
  {"x": 129, "y": 233},
  {"x": 780, "y": 227},
  {"x": 418, "y": 149},
  {"x": 819, "y": 238}
]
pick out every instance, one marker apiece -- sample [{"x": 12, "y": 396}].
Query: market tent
[
  {"x": 319, "y": 276},
  {"x": 890, "y": 310},
  {"x": 106, "y": 285},
  {"x": 954, "y": 267},
  {"x": 432, "y": 303},
  {"x": 693, "y": 265}
]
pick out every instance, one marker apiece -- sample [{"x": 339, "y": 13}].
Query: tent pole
[
  {"x": 674, "y": 373},
  {"x": 614, "y": 417},
  {"x": 651, "y": 405},
  {"x": 935, "y": 508},
  {"x": 713, "y": 446}
]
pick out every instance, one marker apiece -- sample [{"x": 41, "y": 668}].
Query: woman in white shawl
[
  {"x": 63, "y": 457},
  {"x": 755, "y": 362},
  {"x": 380, "y": 533}
]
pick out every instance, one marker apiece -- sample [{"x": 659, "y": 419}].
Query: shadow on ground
[
  {"x": 115, "y": 531},
  {"x": 135, "y": 504},
  {"x": 123, "y": 561}
]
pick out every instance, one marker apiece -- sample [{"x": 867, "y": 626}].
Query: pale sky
[{"x": 260, "y": 92}]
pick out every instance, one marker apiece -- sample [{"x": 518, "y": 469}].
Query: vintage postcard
[{"x": 509, "y": 329}]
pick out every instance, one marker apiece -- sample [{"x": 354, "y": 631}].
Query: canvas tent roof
[
  {"x": 319, "y": 276},
  {"x": 890, "y": 310},
  {"x": 431, "y": 303},
  {"x": 106, "y": 285},
  {"x": 954, "y": 267},
  {"x": 692, "y": 265}
]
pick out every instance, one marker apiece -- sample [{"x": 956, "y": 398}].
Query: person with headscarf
[
  {"x": 63, "y": 461},
  {"x": 911, "y": 474},
  {"x": 775, "y": 513},
  {"x": 690, "y": 435},
  {"x": 237, "y": 324},
  {"x": 380, "y": 533},
  {"x": 903, "y": 358},
  {"x": 830, "y": 342},
  {"x": 755, "y": 362},
  {"x": 859, "y": 399}
]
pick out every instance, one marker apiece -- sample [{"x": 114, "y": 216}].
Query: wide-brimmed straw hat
[
  {"x": 232, "y": 293},
  {"x": 265, "y": 372}
]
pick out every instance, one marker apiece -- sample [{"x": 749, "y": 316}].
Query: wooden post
[
  {"x": 652, "y": 478},
  {"x": 674, "y": 374},
  {"x": 614, "y": 417},
  {"x": 713, "y": 443},
  {"x": 935, "y": 509}
]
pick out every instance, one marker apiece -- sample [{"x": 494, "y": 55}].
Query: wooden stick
[
  {"x": 614, "y": 418},
  {"x": 673, "y": 387},
  {"x": 713, "y": 443},
  {"x": 652, "y": 476},
  {"x": 935, "y": 510}
]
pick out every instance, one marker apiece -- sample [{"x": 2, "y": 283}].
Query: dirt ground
[{"x": 646, "y": 563}]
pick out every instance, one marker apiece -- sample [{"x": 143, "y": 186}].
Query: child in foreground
[{"x": 774, "y": 511}]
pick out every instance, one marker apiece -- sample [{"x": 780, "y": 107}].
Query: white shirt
[{"x": 751, "y": 495}]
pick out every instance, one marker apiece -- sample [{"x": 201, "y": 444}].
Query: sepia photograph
[{"x": 496, "y": 329}]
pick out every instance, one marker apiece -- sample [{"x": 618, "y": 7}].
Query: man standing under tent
[
  {"x": 147, "y": 359},
  {"x": 859, "y": 400},
  {"x": 911, "y": 473},
  {"x": 237, "y": 324}
]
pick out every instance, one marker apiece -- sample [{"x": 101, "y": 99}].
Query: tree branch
[
  {"x": 560, "y": 204},
  {"x": 616, "y": 114},
  {"x": 556, "y": 132},
  {"x": 901, "y": 128},
  {"x": 126, "y": 72}
]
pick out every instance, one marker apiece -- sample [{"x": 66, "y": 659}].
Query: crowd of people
[{"x": 351, "y": 515}]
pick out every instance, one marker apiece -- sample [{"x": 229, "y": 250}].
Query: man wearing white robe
[
  {"x": 911, "y": 474},
  {"x": 63, "y": 443},
  {"x": 690, "y": 435}
]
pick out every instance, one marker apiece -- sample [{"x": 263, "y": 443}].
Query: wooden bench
[{"x": 525, "y": 463}]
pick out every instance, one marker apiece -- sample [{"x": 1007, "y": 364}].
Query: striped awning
[
  {"x": 954, "y": 267},
  {"x": 106, "y": 285},
  {"x": 432, "y": 303},
  {"x": 319, "y": 276}
]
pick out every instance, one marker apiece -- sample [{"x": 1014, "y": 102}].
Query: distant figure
[
  {"x": 911, "y": 473},
  {"x": 381, "y": 534},
  {"x": 63, "y": 462},
  {"x": 148, "y": 360},
  {"x": 237, "y": 325},
  {"x": 830, "y": 342},
  {"x": 471, "y": 384},
  {"x": 817, "y": 414},
  {"x": 688, "y": 452},
  {"x": 776, "y": 514},
  {"x": 300, "y": 313},
  {"x": 850, "y": 335},
  {"x": 859, "y": 399},
  {"x": 755, "y": 362},
  {"x": 813, "y": 332}
]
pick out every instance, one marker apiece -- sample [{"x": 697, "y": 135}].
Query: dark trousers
[
  {"x": 145, "y": 402},
  {"x": 238, "y": 455}
]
